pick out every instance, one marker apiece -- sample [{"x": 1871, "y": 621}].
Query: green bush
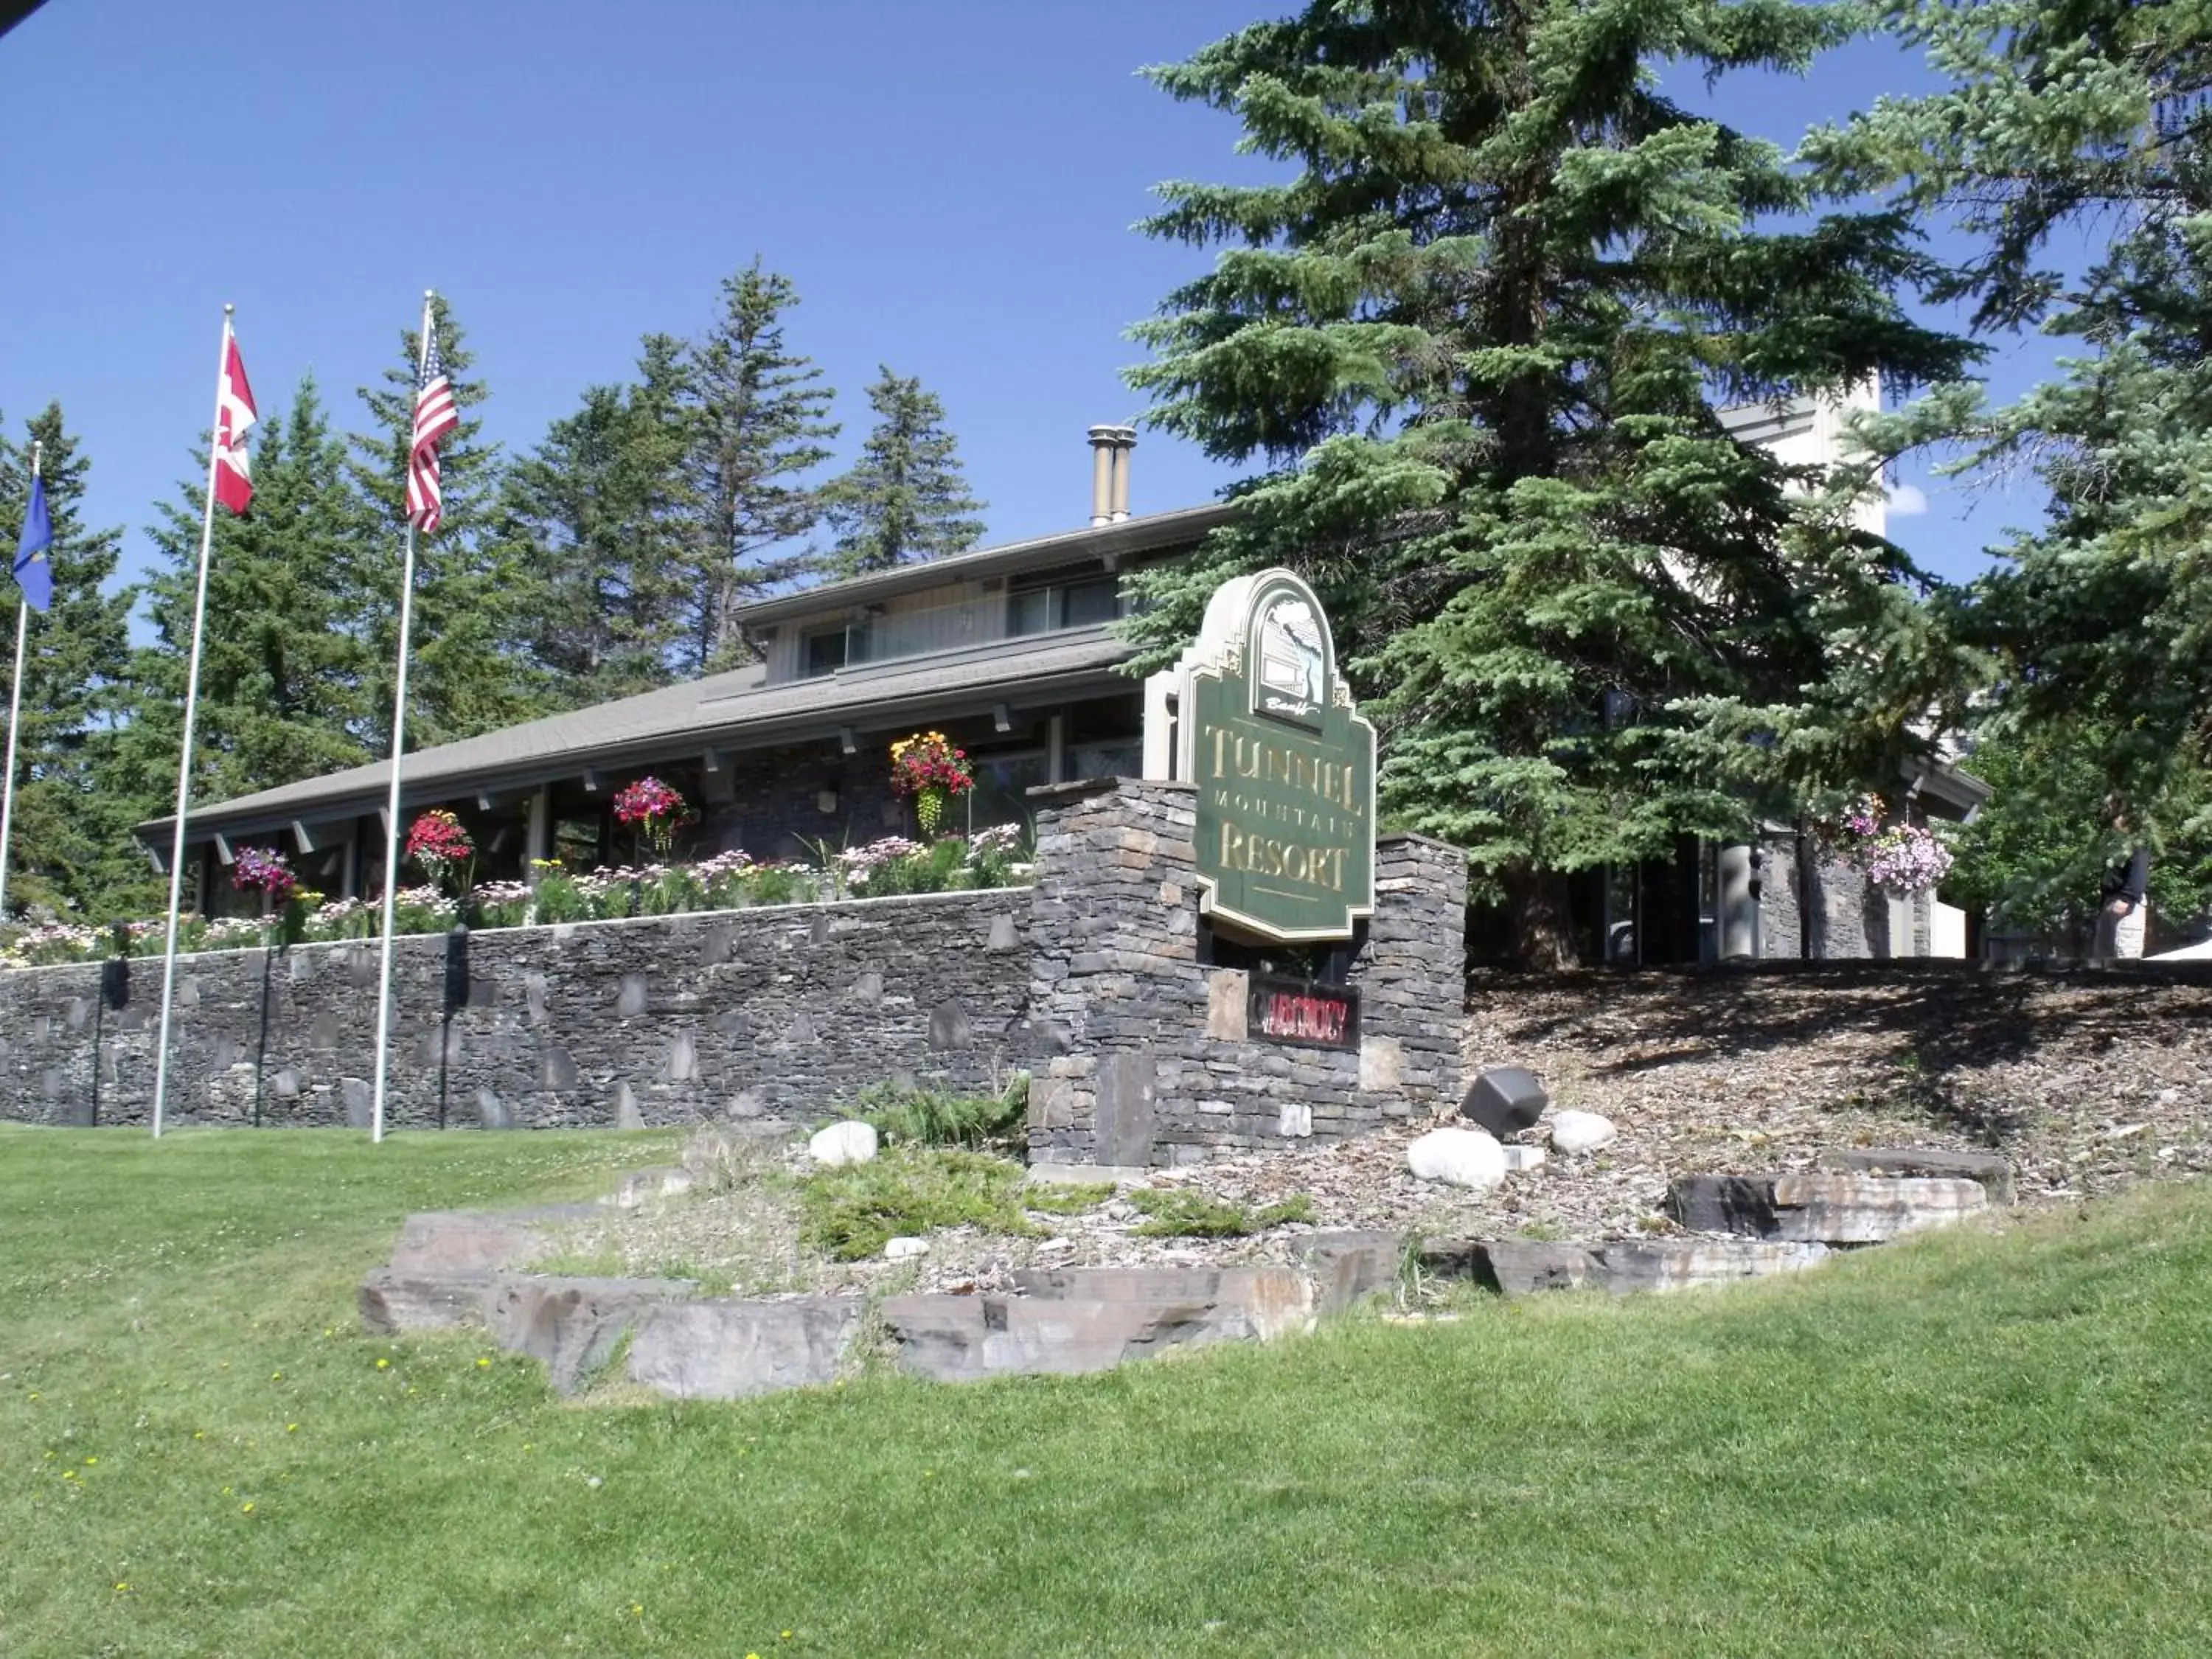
[
  {"x": 923, "y": 1116},
  {"x": 850, "y": 1213},
  {"x": 1183, "y": 1212}
]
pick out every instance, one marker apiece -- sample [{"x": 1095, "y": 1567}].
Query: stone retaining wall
[{"x": 777, "y": 1011}]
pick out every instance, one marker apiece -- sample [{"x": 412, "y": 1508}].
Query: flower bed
[{"x": 727, "y": 881}]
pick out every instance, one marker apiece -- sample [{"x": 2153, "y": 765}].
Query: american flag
[{"x": 435, "y": 414}]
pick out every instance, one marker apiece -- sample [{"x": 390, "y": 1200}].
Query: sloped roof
[{"x": 733, "y": 710}]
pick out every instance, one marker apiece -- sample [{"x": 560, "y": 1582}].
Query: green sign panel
[{"x": 1283, "y": 764}]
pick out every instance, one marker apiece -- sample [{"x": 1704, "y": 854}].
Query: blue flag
[{"x": 33, "y": 573}]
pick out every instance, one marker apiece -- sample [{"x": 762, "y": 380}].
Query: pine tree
[
  {"x": 71, "y": 850},
  {"x": 760, "y": 425},
  {"x": 1482, "y": 334},
  {"x": 906, "y": 498},
  {"x": 602, "y": 507},
  {"x": 2091, "y": 116},
  {"x": 281, "y": 671},
  {"x": 475, "y": 595}
]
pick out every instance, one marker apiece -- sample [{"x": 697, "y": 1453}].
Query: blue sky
[{"x": 950, "y": 186}]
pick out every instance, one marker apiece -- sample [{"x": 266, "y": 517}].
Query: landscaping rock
[
  {"x": 905, "y": 1249},
  {"x": 1993, "y": 1172},
  {"x": 958, "y": 1339},
  {"x": 841, "y": 1144},
  {"x": 1581, "y": 1132},
  {"x": 1827, "y": 1209},
  {"x": 729, "y": 1350},
  {"x": 391, "y": 1301},
  {"x": 1461, "y": 1157},
  {"x": 1345, "y": 1266},
  {"x": 1516, "y": 1268},
  {"x": 1723, "y": 1204},
  {"x": 573, "y": 1324},
  {"x": 1210, "y": 1303},
  {"x": 1688, "y": 1264}
]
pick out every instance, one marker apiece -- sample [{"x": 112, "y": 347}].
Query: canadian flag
[{"x": 234, "y": 414}]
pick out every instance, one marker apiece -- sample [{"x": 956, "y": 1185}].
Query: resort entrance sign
[{"x": 1283, "y": 765}]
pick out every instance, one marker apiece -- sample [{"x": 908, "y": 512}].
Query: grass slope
[{"x": 1964, "y": 1444}]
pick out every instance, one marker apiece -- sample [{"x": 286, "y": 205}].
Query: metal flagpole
[
  {"x": 184, "y": 759},
  {"x": 15, "y": 713},
  {"x": 398, "y": 747}
]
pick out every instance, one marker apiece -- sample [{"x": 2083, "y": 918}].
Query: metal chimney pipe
[
  {"x": 1102, "y": 441},
  {"x": 1125, "y": 439}
]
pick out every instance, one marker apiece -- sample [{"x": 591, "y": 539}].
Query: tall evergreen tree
[
  {"x": 602, "y": 506},
  {"x": 71, "y": 851},
  {"x": 761, "y": 424},
  {"x": 1482, "y": 334},
  {"x": 2090, "y": 116},
  {"x": 906, "y": 497},
  {"x": 468, "y": 668},
  {"x": 282, "y": 670}
]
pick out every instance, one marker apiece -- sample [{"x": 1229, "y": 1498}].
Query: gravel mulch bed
[{"x": 2088, "y": 1082}]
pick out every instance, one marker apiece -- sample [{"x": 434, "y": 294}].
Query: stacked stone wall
[
  {"x": 1143, "y": 1051},
  {"x": 778, "y": 1012}
]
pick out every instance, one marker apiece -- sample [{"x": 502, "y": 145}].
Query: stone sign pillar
[
  {"x": 1144, "y": 1055},
  {"x": 1228, "y": 956}
]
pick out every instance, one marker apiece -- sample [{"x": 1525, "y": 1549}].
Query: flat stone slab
[
  {"x": 1347, "y": 1266},
  {"x": 438, "y": 1243},
  {"x": 1822, "y": 1208},
  {"x": 392, "y": 1300},
  {"x": 962, "y": 1338},
  {"x": 1260, "y": 1303},
  {"x": 1517, "y": 1267},
  {"x": 730, "y": 1350},
  {"x": 573, "y": 1324},
  {"x": 1994, "y": 1171}
]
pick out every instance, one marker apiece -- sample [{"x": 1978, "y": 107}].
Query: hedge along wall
[{"x": 780, "y": 1012}]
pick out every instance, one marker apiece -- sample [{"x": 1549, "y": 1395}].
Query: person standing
[{"x": 2121, "y": 912}]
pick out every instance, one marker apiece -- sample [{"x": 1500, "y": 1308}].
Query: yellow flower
[
  {"x": 291, "y": 1428},
  {"x": 92, "y": 1460},
  {"x": 120, "y": 1587},
  {"x": 482, "y": 1362},
  {"x": 383, "y": 1365},
  {"x": 200, "y": 1434},
  {"x": 245, "y": 1509},
  {"x": 276, "y": 1376}
]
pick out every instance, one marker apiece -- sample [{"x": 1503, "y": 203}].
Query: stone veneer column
[
  {"x": 1142, "y": 1056},
  {"x": 1115, "y": 954},
  {"x": 1412, "y": 976}
]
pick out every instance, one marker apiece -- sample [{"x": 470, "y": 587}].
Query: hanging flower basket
[
  {"x": 439, "y": 845},
  {"x": 930, "y": 769},
  {"x": 1905, "y": 858},
  {"x": 654, "y": 812}
]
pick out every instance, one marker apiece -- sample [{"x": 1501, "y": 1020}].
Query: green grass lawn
[{"x": 1966, "y": 1444}]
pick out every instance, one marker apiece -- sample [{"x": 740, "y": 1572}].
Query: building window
[
  {"x": 824, "y": 651},
  {"x": 1048, "y": 607}
]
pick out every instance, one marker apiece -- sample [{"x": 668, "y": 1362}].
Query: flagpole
[
  {"x": 15, "y": 710},
  {"x": 184, "y": 758},
  {"x": 398, "y": 748}
]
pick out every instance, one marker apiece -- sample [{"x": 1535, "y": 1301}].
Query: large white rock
[
  {"x": 843, "y": 1143},
  {"x": 905, "y": 1249},
  {"x": 1581, "y": 1132},
  {"x": 1462, "y": 1157}
]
